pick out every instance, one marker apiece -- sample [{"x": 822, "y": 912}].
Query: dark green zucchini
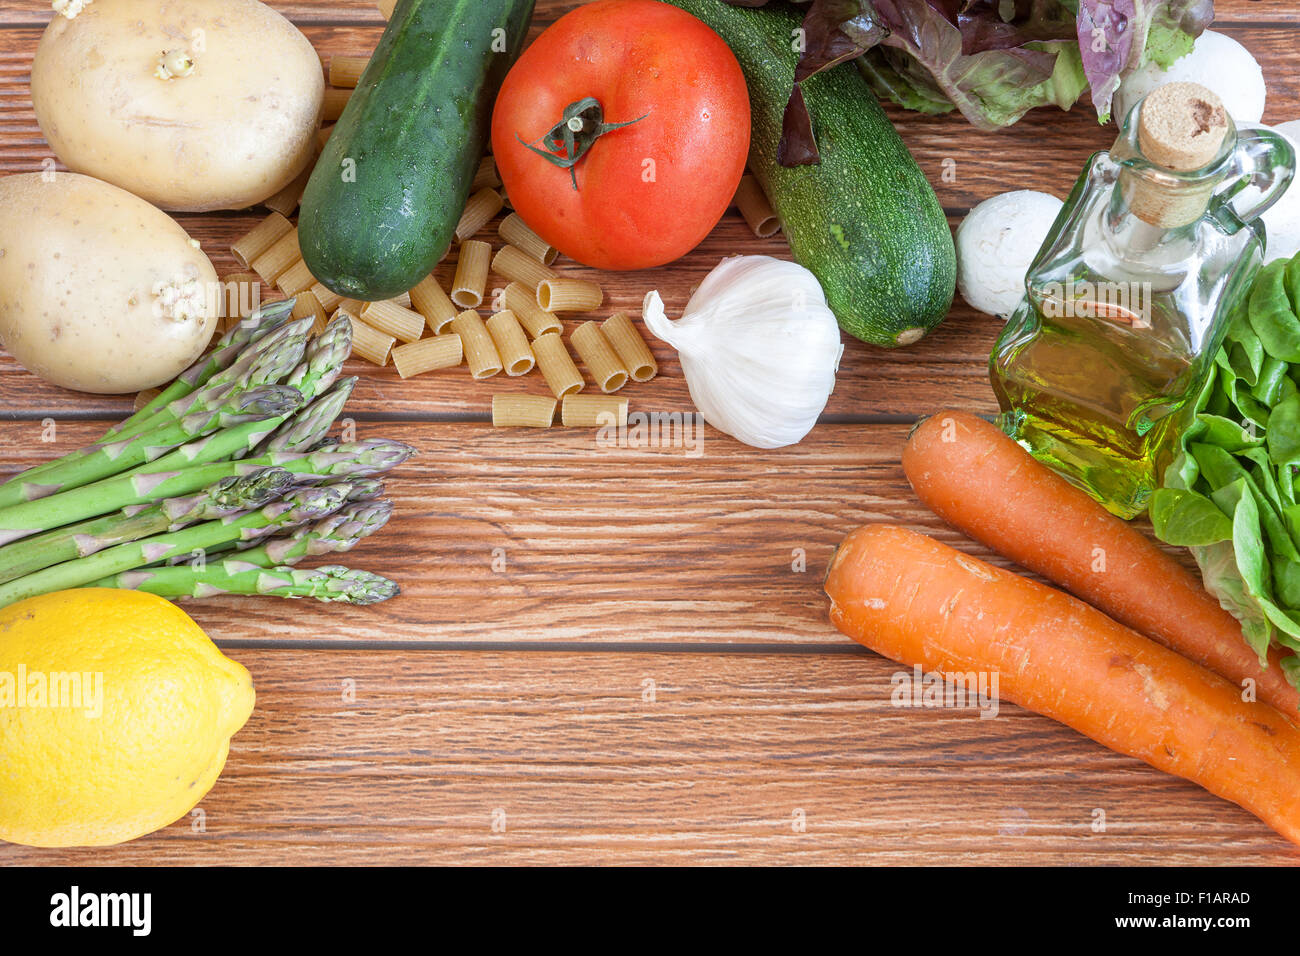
[
  {"x": 865, "y": 221},
  {"x": 383, "y": 201}
]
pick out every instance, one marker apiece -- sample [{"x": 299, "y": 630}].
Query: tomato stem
[{"x": 568, "y": 140}]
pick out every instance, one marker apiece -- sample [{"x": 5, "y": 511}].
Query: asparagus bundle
[{"x": 231, "y": 460}]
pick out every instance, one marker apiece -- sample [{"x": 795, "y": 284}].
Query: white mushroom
[
  {"x": 1217, "y": 61},
  {"x": 996, "y": 242}
]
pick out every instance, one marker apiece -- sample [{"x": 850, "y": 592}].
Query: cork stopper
[
  {"x": 1183, "y": 125},
  {"x": 1181, "y": 129}
]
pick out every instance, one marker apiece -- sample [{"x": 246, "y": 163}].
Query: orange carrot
[
  {"x": 981, "y": 482},
  {"x": 922, "y": 603}
]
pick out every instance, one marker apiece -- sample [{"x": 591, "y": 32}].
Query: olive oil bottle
[{"x": 1132, "y": 291}]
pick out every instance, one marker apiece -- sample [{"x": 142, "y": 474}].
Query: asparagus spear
[
  {"x": 300, "y": 505},
  {"x": 369, "y": 457},
  {"x": 236, "y": 576},
  {"x": 227, "y": 497},
  {"x": 333, "y": 534},
  {"x": 245, "y": 333},
  {"x": 330, "y": 534},
  {"x": 274, "y": 357},
  {"x": 242, "y": 406},
  {"x": 271, "y": 359},
  {"x": 309, "y": 424},
  {"x": 231, "y": 345},
  {"x": 325, "y": 357}
]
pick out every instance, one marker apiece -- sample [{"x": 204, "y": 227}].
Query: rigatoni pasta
[
  {"x": 439, "y": 351},
  {"x": 754, "y": 207},
  {"x": 596, "y": 352},
  {"x": 259, "y": 239},
  {"x": 480, "y": 351},
  {"x": 307, "y": 304},
  {"x": 515, "y": 232},
  {"x": 511, "y": 342},
  {"x": 557, "y": 366},
  {"x": 429, "y": 299},
  {"x": 569, "y": 295},
  {"x": 630, "y": 346},
  {"x": 593, "y": 411},
  {"x": 515, "y": 265},
  {"x": 471, "y": 274},
  {"x": 297, "y": 278},
  {"x": 328, "y": 298},
  {"x": 335, "y": 100},
  {"x": 368, "y": 342},
  {"x": 522, "y": 301},
  {"x": 522, "y": 411},
  {"x": 486, "y": 176},
  {"x": 352, "y": 307},
  {"x": 283, "y": 253},
  {"x": 388, "y": 316},
  {"x": 478, "y": 212},
  {"x": 288, "y": 198},
  {"x": 345, "y": 71}
]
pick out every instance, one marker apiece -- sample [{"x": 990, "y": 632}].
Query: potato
[
  {"x": 233, "y": 128},
  {"x": 99, "y": 291}
]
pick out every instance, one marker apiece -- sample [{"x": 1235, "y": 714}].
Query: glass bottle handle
[{"x": 1263, "y": 167}]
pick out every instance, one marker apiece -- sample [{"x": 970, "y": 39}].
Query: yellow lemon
[{"x": 116, "y": 714}]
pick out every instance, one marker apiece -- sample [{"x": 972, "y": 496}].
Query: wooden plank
[
  {"x": 508, "y": 536},
  {"x": 661, "y": 759}
]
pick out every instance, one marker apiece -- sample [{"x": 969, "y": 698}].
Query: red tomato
[{"x": 646, "y": 193}]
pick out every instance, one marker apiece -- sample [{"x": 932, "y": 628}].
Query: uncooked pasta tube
[
  {"x": 335, "y": 101},
  {"x": 297, "y": 278},
  {"x": 593, "y": 410},
  {"x": 471, "y": 274},
  {"x": 429, "y": 299},
  {"x": 259, "y": 239},
  {"x": 753, "y": 205},
  {"x": 569, "y": 295},
  {"x": 439, "y": 351},
  {"x": 515, "y": 265},
  {"x": 478, "y": 212},
  {"x": 398, "y": 322},
  {"x": 557, "y": 365},
  {"x": 516, "y": 233},
  {"x": 630, "y": 346},
  {"x": 345, "y": 71},
  {"x": 511, "y": 343},
  {"x": 607, "y": 369},
  {"x": 522, "y": 301},
  {"x": 306, "y": 304},
  {"x": 369, "y": 343},
  {"x": 283, "y": 253},
  {"x": 522, "y": 411},
  {"x": 480, "y": 351}
]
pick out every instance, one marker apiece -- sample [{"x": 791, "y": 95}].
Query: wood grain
[
  {"x": 519, "y": 687},
  {"x": 555, "y": 537},
  {"x": 581, "y": 767}
]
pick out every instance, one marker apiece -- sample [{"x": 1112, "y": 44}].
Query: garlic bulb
[{"x": 759, "y": 347}]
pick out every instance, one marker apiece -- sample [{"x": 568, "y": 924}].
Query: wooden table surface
[{"x": 620, "y": 655}]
